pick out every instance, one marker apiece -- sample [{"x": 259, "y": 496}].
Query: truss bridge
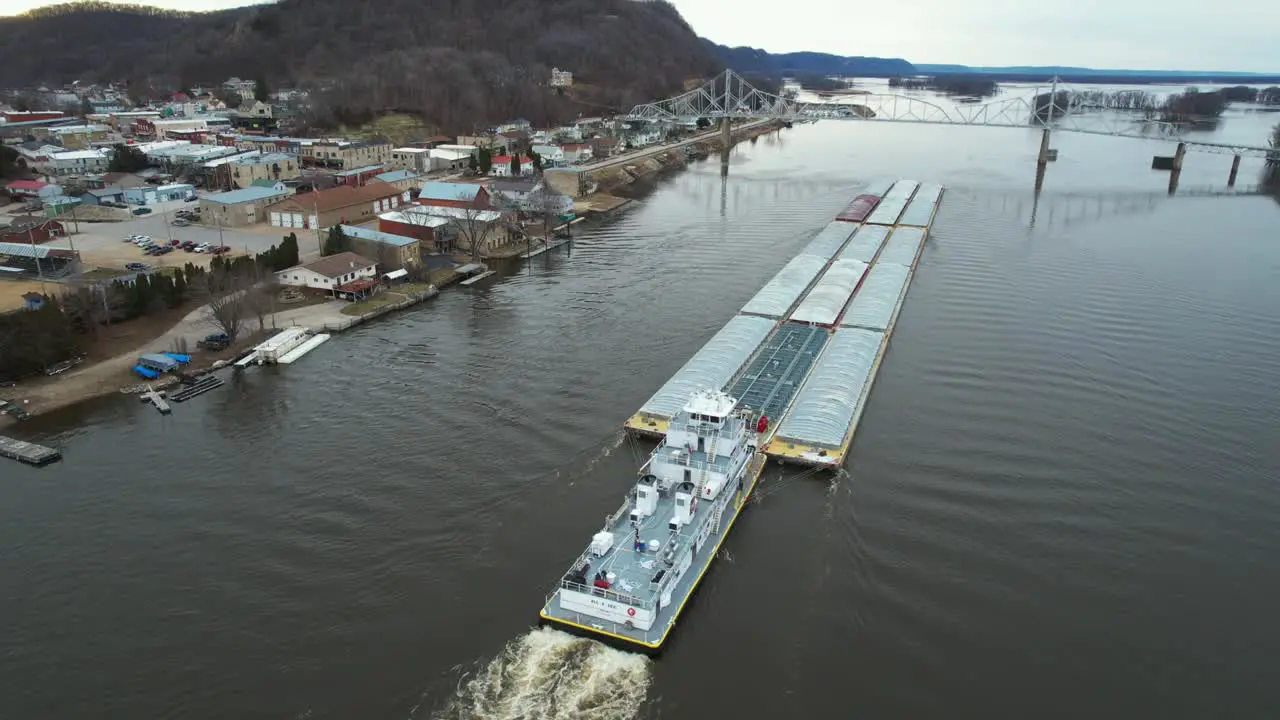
[{"x": 1063, "y": 108}]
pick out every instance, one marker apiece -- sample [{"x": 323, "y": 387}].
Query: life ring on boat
[{"x": 631, "y": 612}]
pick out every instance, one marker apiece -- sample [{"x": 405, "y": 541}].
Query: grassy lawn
[
  {"x": 398, "y": 127},
  {"x": 368, "y": 305},
  {"x": 412, "y": 288},
  {"x": 443, "y": 276},
  {"x": 104, "y": 274}
]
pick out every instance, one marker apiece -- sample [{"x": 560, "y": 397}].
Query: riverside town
[{"x": 622, "y": 359}]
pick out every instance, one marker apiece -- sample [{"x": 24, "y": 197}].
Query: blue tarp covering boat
[
  {"x": 158, "y": 362},
  {"x": 147, "y": 373}
]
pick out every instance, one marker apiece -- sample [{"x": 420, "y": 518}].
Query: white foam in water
[{"x": 546, "y": 675}]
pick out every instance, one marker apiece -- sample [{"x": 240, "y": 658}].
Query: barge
[{"x": 803, "y": 353}]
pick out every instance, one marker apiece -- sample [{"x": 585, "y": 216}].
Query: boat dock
[
  {"x": 29, "y": 453},
  {"x": 283, "y": 348},
  {"x": 156, "y": 398},
  {"x": 804, "y": 351},
  {"x": 196, "y": 387}
]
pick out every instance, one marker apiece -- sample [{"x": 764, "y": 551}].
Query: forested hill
[
  {"x": 753, "y": 60},
  {"x": 459, "y": 63}
]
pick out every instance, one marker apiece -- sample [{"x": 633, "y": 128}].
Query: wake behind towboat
[{"x": 633, "y": 580}]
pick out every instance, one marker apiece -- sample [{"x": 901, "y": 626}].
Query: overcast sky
[{"x": 1137, "y": 34}]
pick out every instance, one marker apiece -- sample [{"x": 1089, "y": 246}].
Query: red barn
[
  {"x": 32, "y": 231},
  {"x": 428, "y": 230}
]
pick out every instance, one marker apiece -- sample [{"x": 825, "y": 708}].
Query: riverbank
[
  {"x": 111, "y": 375},
  {"x": 618, "y": 176}
]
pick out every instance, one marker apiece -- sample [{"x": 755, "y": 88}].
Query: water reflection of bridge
[{"x": 1044, "y": 210}]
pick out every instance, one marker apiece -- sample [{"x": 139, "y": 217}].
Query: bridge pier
[
  {"x": 1235, "y": 168},
  {"x": 1042, "y": 161},
  {"x": 1175, "y": 172},
  {"x": 726, "y": 141}
]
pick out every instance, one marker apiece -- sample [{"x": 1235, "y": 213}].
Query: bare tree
[
  {"x": 230, "y": 305},
  {"x": 547, "y": 206},
  {"x": 473, "y": 226},
  {"x": 261, "y": 300}
]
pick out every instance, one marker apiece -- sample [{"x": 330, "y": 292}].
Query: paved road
[{"x": 635, "y": 155}]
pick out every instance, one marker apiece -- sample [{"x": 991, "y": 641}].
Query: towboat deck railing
[{"x": 609, "y": 594}]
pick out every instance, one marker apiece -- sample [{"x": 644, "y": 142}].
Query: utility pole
[
  {"x": 31, "y": 237},
  {"x": 316, "y": 207}
]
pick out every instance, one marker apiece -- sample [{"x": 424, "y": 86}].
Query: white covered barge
[{"x": 804, "y": 351}]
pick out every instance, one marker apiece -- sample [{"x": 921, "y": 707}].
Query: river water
[{"x": 1061, "y": 500}]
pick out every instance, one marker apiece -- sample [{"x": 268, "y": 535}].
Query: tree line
[
  {"x": 458, "y": 65},
  {"x": 965, "y": 85},
  {"x": 67, "y": 324},
  {"x": 1189, "y": 106}
]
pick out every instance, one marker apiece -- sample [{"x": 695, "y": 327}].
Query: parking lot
[{"x": 102, "y": 244}]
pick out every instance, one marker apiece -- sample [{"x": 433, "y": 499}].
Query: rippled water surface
[{"x": 1061, "y": 500}]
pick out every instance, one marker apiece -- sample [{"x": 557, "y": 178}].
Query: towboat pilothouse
[{"x": 634, "y": 578}]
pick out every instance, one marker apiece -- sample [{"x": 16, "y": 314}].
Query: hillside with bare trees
[{"x": 456, "y": 63}]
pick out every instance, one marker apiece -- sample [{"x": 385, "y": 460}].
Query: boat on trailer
[{"x": 631, "y": 583}]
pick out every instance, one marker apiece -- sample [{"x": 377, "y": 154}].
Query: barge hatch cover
[
  {"x": 903, "y": 247},
  {"x": 828, "y": 403},
  {"x": 713, "y": 366},
  {"x": 830, "y": 240},
  {"x": 865, "y": 243},
  {"x": 878, "y": 299},
  {"x": 780, "y": 294},
  {"x": 823, "y": 304},
  {"x": 920, "y": 212}
]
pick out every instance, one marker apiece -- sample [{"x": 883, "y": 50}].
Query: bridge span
[{"x": 1064, "y": 108}]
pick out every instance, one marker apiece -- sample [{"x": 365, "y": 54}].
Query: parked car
[
  {"x": 181, "y": 223},
  {"x": 136, "y": 266},
  {"x": 142, "y": 211},
  {"x": 216, "y": 341}
]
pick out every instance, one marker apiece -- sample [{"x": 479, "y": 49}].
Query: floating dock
[
  {"x": 156, "y": 398},
  {"x": 29, "y": 453},
  {"x": 805, "y": 350},
  {"x": 283, "y": 348},
  {"x": 311, "y": 343},
  {"x": 196, "y": 388}
]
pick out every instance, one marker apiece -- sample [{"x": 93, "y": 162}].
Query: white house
[
  {"x": 502, "y": 166},
  {"x": 518, "y": 125},
  {"x": 411, "y": 158},
  {"x": 561, "y": 78},
  {"x": 550, "y": 154},
  {"x": 330, "y": 273},
  {"x": 243, "y": 88},
  {"x": 576, "y": 153},
  {"x": 451, "y": 157},
  {"x": 78, "y": 162},
  {"x": 644, "y": 138}
]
